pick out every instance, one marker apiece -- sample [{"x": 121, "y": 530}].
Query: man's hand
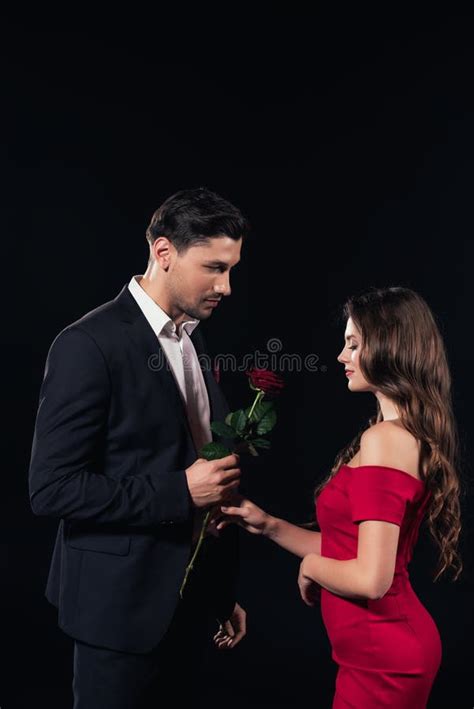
[
  {"x": 213, "y": 481},
  {"x": 233, "y": 630},
  {"x": 310, "y": 590}
]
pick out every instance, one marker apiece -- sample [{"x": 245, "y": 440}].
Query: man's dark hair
[{"x": 190, "y": 217}]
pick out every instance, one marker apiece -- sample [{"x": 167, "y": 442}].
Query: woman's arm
[
  {"x": 293, "y": 538},
  {"x": 369, "y": 575},
  {"x": 289, "y": 536}
]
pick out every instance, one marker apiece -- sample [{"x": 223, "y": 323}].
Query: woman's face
[{"x": 349, "y": 357}]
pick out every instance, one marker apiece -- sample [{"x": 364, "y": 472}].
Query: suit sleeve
[
  {"x": 227, "y": 573},
  {"x": 70, "y": 431},
  {"x": 225, "y": 564}
]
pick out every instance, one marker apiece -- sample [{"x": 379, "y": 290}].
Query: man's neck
[{"x": 158, "y": 297}]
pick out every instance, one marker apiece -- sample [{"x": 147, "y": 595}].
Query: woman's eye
[{"x": 353, "y": 347}]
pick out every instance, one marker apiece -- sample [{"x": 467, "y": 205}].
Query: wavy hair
[{"x": 403, "y": 355}]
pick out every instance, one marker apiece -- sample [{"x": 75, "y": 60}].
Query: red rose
[{"x": 267, "y": 381}]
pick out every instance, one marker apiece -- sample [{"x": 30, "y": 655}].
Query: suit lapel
[{"x": 151, "y": 354}]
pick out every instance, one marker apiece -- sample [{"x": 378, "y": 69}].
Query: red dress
[{"x": 388, "y": 650}]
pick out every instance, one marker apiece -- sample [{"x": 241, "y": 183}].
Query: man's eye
[{"x": 214, "y": 268}]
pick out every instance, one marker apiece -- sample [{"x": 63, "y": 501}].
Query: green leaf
[
  {"x": 267, "y": 422},
  {"x": 261, "y": 410},
  {"x": 222, "y": 429},
  {"x": 238, "y": 421},
  {"x": 214, "y": 451},
  {"x": 260, "y": 443}
]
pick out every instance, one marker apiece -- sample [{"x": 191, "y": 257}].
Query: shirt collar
[{"x": 159, "y": 320}]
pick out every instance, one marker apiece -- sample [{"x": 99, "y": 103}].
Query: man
[{"x": 124, "y": 409}]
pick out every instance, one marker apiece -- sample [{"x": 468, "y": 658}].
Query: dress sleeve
[{"x": 379, "y": 493}]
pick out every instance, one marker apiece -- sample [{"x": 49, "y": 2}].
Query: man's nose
[{"x": 223, "y": 287}]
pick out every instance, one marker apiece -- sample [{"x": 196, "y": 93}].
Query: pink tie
[
  {"x": 195, "y": 403},
  {"x": 196, "y": 409}
]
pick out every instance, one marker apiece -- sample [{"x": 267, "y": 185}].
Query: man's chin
[
  {"x": 200, "y": 313},
  {"x": 206, "y": 309}
]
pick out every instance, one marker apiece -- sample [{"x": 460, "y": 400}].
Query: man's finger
[
  {"x": 229, "y": 628},
  {"x": 230, "y": 460},
  {"x": 239, "y": 636},
  {"x": 230, "y": 476}
]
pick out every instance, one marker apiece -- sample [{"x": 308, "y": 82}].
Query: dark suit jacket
[{"x": 110, "y": 448}]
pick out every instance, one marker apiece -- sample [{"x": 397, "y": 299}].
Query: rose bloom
[{"x": 267, "y": 381}]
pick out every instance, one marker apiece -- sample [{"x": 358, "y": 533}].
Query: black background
[{"x": 347, "y": 139}]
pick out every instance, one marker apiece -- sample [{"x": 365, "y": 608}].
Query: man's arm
[{"x": 70, "y": 430}]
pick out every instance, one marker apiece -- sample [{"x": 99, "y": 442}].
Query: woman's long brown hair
[{"x": 403, "y": 355}]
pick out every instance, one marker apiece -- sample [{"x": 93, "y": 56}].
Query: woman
[{"x": 400, "y": 469}]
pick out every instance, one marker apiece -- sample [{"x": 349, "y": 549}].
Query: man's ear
[{"x": 163, "y": 252}]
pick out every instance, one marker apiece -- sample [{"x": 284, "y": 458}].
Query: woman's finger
[
  {"x": 229, "y": 490},
  {"x": 225, "y": 523},
  {"x": 238, "y": 511}
]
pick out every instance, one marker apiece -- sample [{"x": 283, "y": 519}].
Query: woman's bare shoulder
[{"x": 389, "y": 444}]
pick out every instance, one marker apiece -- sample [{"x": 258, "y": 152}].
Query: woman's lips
[{"x": 349, "y": 372}]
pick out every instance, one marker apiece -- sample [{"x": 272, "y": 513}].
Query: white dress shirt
[{"x": 173, "y": 343}]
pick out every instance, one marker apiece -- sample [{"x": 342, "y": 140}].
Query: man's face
[{"x": 200, "y": 277}]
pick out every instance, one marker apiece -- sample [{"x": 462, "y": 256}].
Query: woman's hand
[
  {"x": 248, "y": 516},
  {"x": 310, "y": 591}
]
